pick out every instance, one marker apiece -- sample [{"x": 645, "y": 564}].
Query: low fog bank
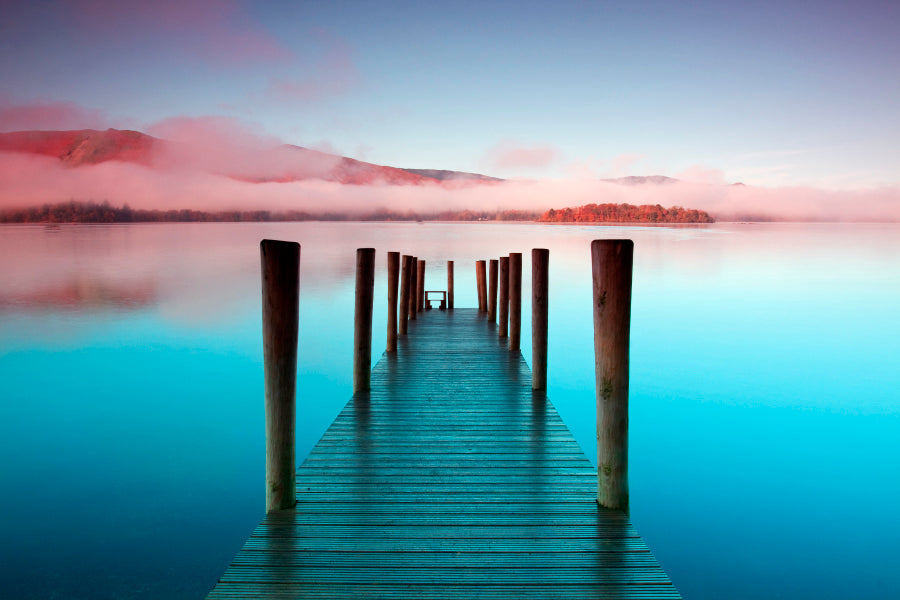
[{"x": 29, "y": 180}]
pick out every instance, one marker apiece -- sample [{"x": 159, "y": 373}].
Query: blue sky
[{"x": 768, "y": 93}]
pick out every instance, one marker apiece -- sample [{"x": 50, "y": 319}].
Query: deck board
[{"x": 450, "y": 478}]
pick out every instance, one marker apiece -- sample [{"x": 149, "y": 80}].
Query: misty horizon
[{"x": 221, "y": 164}]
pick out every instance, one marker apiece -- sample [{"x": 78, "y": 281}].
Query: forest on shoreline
[{"x": 104, "y": 212}]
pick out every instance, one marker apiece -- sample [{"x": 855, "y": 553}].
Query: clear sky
[{"x": 781, "y": 93}]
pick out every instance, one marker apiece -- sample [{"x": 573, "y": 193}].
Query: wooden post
[
  {"x": 515, "y": 300},
  {"x": 540, "y": 286},
  {"x": 404, "y": 293},
  {"x": 492, "y": 291},
  {"x": 450, "y": 284},
  {"x": 612, "y": 266},
  {"x": 281, "y": 315},
  {"x": 481, "y": 285},
  {"x": 503, "y": 313},
  {"x": 362, "y": 322},
  {"x": 413, "y": 288},
  {"x": 393, "y": 264},
  {"x": 420, "y": 290}
]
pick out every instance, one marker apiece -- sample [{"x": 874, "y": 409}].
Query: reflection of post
[
  {"x": 503, "y": 312},
  {"x": 492, "y": 291},
  {"x": 393, "y": 260},
  {"x": 515, "y": 300},
  {"x": 281, "y": 316},
  {"x": 481, "y": 285},
  {"x": 413, "y": 288},
  {"x": 420, "y": 282},
  {"x": 612, "y": 266},
  {"x": 449, "y": 284},
  {"x": 362, "y": 323},
  {"x": 406, "y": 261},
  {"x": 540, "y": 286}
]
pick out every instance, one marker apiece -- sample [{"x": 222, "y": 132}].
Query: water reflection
[
  {"x": 763, "y": 363},
  {"x": 86, "y": 294}
]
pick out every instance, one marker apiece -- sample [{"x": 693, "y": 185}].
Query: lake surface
[{"x": 765, "y": 394}]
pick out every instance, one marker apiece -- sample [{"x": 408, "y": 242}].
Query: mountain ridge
[{"x": 285, "y": 163}]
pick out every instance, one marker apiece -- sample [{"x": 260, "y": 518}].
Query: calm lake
[{"x": 765, "y": 394}]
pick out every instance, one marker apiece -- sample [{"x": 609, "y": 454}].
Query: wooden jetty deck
[{"x": 450, "y": 478}]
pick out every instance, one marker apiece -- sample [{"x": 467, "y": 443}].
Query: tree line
[
  {"x": 104, "y": 212},
  {"x": 625, "y": 213}
]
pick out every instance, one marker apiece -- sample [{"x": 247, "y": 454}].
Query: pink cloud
[
  {"x": 226, "y": 146},
  {"x": 701, "y": 174},
  {"x": 509, "y": 154},
  {"x": 49, "y": 116},
  {"x": 622, "y": 165},
  {"x": 217, "y": 31},
  {"x": 29, "y": 180},
  {"x": 333, "y": 74}
]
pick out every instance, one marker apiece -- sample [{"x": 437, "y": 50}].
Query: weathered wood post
[
  {"x": 540, "y": 287},
  {"x": 515, "y": 300},
  {"x": 420, "y": 290},
  {"x": 393, "y": 263},
  {"x": 413, "y": 288},
  {"x": 449, "y": 284},
  {"x": 281, "y": 316},
  {"x": 503, "y": 313},
  {"x": 492, "y": 291},
  {"x": 406, "y": 261},
  {"x": 362, "y": 322},
  {"x": 481, "y": 285},
  {"x": 612, "y": 266}
]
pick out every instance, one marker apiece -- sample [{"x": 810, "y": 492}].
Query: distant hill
[
  {"x": 83, "y": 146},
  {"x": 442, "y": 175},
  {"x": 280, "y": 164},
  {"x": 313, "y": 164}
]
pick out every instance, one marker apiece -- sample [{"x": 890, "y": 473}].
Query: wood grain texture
[
  {"x": 393, "y": 265},
  {"x": 406, "y": 262},
  {"x": 449, "y": 284},
  {"x": 515, "y": 301},
  {"x": 420, "y": 286},
  {"x": 450, "y": 478},
  {"x": 492, "y": 290},
  {"x": 362, "y": 321},
  {"x": 413, "y": 289},
  {"x": 612, "y": 265},
  {"x": 280, "y": 263},
  {"x": 503, "y": 299},
  {"x": 540, "y": 288},
  {"x": 481, "y": 285}
]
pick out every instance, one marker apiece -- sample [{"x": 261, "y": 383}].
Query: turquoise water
[{"x": 765, "y": 410}]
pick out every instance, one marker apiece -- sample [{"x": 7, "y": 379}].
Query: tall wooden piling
[
  {"x": 540, "y": 287},
  {"x": 481, "y": 285},
  {"x": 280, "y": 263},
  {"x": 406, "y": 262},
  {"x": 612, "y": 266},
  {"x": 449, "y": 284},
  {"x": 420, "y": 289},
  {"x": 393, "y": 264},
  {"x": 413, "y": 288},
  {"x": 515, "y": 300},
  {"x": 503, "y": 308},
  {"x": 362, "y": 322},
  {"x": 492, "y": 290}
]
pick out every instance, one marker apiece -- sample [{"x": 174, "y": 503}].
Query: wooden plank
[{"x": 450, "y": 478}]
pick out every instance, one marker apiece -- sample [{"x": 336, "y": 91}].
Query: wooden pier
[{"x": 449, "y": 478}]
